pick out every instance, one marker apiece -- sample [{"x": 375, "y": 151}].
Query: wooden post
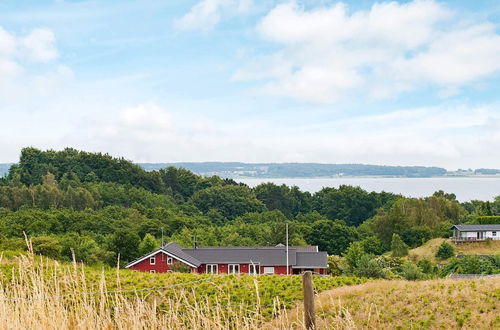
[{"x": 309, "y": 316}]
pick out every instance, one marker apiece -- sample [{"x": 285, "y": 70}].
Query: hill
[
  {"x": 298, "y": 170},
  {"x": 436, "y": 304},
  {"x": 429, "y": 249}
]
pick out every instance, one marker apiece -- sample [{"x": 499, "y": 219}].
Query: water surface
[{"x": 465, "y": 188}]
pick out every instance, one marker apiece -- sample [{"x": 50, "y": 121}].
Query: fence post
[{"x": 309, "y": 316}]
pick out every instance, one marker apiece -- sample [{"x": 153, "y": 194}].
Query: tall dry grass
[
  {"x": 44, "y": 294},
  {"x": 434, "y": 304}
]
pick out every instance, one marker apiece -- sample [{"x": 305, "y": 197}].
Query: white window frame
[
  {"x": 269, "y": 270},
  {"x": 170, "y": 260},
  {"x": 212, "y": 267},
  {"x": 493, "y": 233},
  {"x": 152, "y": 260},
  {"x": 234, "y": 267},
  {"x": 152, "y": 271},
  {"x": 255, "y": 267}
]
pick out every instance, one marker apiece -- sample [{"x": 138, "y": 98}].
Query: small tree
[
  {"x": 445, "y": 251},
  {"x": 398, "y": 247},
  {"x": 353, "y": 255},
  {"x": 148, "y": 244}
]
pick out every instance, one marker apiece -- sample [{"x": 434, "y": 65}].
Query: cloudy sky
[{"x": 399, "y": 83}]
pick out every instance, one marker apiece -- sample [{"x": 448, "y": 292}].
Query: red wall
[
  {"x": 244, "y": 268},
  {"x": 160, "y": 265}
]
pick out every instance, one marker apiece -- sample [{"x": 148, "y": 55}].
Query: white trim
[
  {"x": 155, "y": 253},
  {"x": 234, "y": 266},
  {"x": 256, "y": 266},
  {"x": 267, "y": 270},
  {"x": 153, "y": 259},
  {"x": 170, "y": 260},
  {"x": 212, "y": 266}
]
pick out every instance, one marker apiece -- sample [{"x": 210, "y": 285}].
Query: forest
[{"x": 100, "y": 208}]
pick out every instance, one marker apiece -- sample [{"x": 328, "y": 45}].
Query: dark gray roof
[
  {"x": 177, "y": 251},
  {"x": 265, "y": 256},
  {"x": 477, "y": 227},
  {"x": 311, "y": 260},
  {"x": 298, "y": 256}
]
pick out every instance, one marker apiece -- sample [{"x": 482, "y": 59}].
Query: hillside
[
  {"x": 436, "y": 304},
  {"x": 429, "y": 249}
]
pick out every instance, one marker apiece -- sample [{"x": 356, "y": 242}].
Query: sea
[{"x": 465, "y": 188}]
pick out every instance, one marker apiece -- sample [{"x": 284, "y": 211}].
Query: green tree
[
  {"x": 445, "y": 251},
  {"x": 398, "y": 247},
  {"x": 229, "y": 201},
  {"x": 148, "y": 244},
  {"x": 125, "y": 242},
  {"x": 333, "y": 237}
]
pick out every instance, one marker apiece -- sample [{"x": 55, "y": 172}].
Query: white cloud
[
  {"x": 27, "y": 68},
  {"x": 39, "y": 45},
  {"x": 206, "y": 14},
  {"x": 437, "y": 136},
  {"x": 328, "y": 52}
]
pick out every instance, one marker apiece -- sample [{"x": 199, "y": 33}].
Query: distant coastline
[{"x": 237, "y": 170}]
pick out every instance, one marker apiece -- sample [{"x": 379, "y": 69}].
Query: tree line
[{"x": 99, "y": 207}]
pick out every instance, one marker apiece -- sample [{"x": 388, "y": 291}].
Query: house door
[{"x": 480, "y": 235}]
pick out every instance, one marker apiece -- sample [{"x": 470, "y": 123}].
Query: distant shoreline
[{"x": 367, "y": 177}]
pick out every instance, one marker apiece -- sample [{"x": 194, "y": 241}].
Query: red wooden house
[{"x": 234, "y": 260}]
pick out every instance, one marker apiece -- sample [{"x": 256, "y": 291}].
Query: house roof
[
  {"x": 298, "y": 256},
  {"x": 265, "y": 256},
  {"x": 311, "y": 260},
  {"x": 477, "y": 227}
]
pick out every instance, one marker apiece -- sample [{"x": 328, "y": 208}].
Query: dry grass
[
  {"x": 436, "y": 304},
  {"x": 52, "y": 296},
  {"x": 491, "y": 247},
  {"x": 429, "y": 249}
]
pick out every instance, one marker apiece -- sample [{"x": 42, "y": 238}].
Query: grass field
[
  {"x": 434, "y": 304},
  {"x": 38, "y": 293},
  {"x": 429, "y": 249}
]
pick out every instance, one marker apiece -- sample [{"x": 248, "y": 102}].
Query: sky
[{"x": 377, "y": 82}]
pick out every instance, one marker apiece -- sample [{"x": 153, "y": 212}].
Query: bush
[
  {"x": 368, "y": 267},
  {"x": 426, "y": 266},
  {"x": 398, "y": 247},
  {"x": 411, "y": 272},
  {"x": 180, "y": 267},
  {"x": 445, "y": 251}
]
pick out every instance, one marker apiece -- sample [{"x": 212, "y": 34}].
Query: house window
[
  {"x": 268, "y": 270},
  {"x": 212, "y": 269},
  {"x": 253, "y": 269},
  {"x": 494, "y": 233},
  {"x": 152, "y": 260},
  {"x": 234, "y": 269},
  {"x": 152, "y": 271},
  {"x": 170, "y": 260}
]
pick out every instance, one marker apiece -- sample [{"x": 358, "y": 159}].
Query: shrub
[
  {"x": 180, "y": 267},
  {"x": 445, "y": 251},
  {"x": 411, "y": 272},
  {"x": 426, "y": 266},
  {"x": 369, "y": 267},
  {"x": 398, "y": 247}
]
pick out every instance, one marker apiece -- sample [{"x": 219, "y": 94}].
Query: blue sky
[{"x": 399, "y": 83}]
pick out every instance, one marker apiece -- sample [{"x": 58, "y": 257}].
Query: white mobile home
[{"x": 475, "y": 233}]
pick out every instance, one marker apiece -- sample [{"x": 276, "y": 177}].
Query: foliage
[
  {"x": 179, "y": 267},
  {"x": 398, "y": 247},
  {"x": 350, "y": 204},
  {"x": 445, "y": 251},
  {"x": 148, "y": 244},
  {"x": 332, "y": 236},
  {"x": 229, "y": 201},
  {"x": 472, "y": 265}
]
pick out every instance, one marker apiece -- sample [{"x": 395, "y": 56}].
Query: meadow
[
  {"x": 383, "y": 304},
  {"x": 42, "y": 293}
]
